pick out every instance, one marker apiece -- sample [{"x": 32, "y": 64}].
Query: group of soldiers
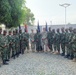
[
  {"x": 12, "y": 44},
  {"x": 57, "y": 40}
]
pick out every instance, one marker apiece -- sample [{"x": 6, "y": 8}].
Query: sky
[{"x": 49, "y": 11}]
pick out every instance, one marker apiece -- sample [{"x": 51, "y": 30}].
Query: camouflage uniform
[
  {"x": 14, "y": 44},
  {"x": 50, "y": 39},
  {"x": 17, "y": 43},
  {"x": 54, "y": 39},
  {"x": 37, "y": 39},
  {"x": 74, "y": 45},
  {"x": 26, "y": 40},
  {"x": 62, "y": 40},
  {"x": 66, "y": 43},
  {"x": 10, "y": 44},
  {"x": 70, "y": 43},
  {"x": 0, "y": 45},
  {"x": 21, "y": 42},
  {"x": 58, "y": 40},
  {"x": 5, "y": 45}
]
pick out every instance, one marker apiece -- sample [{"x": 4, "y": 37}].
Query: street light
[{"x": 65, "y": 5}]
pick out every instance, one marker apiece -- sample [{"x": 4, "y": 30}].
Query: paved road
[{"x": 39, "y": 64}]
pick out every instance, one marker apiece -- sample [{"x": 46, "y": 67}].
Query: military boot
[
  {"x": 66, "y": 56},
  {"x": 7, "y": 59},
  {"x": 71, "y": 57},
  {"x": 74, "y": 60},
  {"x": 62, "y": 54},
  {"x": 4, "y": 62}
]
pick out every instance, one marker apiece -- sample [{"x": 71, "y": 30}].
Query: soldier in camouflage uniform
[
  {"x": 70, "y": 43},
  {"x": 67, "y": 43},
  {"x": 5, "y": 45},
  {"x": 63, "y": 41},
  {"x": 26, "y": 40},
  {"x": 14, "y": 44},
  {"x": 21, "y": 42},
  {"x": 10, "y": 43},
  {"x": 37, "y": 39},
  {"x": 54, "y": 40},
  {"x": 17, "y": 43},
  {"x": 50, "y": 39},
  {"x": 58, "y": 41},
  {"x": 74, "y": 45},
  {"x": 32, "y": 40},
  {"x": 0, "y": 45}
]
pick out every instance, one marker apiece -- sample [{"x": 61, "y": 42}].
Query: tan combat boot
[
  {"x": 74, "y": 60},
  {"x": 55, "y": 52},
  {"x": 58, "y": 53}
]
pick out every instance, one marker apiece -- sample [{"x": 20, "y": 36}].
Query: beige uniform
[
  {"x": 32, "y": 41},
  {"x": 44, "y": 40}
]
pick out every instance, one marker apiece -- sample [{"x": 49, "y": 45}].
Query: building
[{"x": 52, "y": 27}]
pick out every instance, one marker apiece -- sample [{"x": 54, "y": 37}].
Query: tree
[
  {"x": 13, "y": 13},
  {"x": 5, "y": 12},
  {"x": 29, "y": 16},
  {"x": 16, "y": 12}
]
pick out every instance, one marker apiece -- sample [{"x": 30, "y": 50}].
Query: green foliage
[
  {"x": 29, "y": 16},
  {"x": 5, "y": 12},
  {"x": 14, "y": 12}
]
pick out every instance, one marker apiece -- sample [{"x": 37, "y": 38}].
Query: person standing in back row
[
  {"x": 44, "y": 40},
  {"x": 32, "y": 34}
]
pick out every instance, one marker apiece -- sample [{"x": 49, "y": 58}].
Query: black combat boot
[
  {"x": 71, "y": 57},
  {"x": 17, "y": 54},
  {"x": 62, "y": 54},
  {"x": 22, "y": 52},
  {"x": 66, "y": 56},
  {"x": 4, "y": 62},
  {"x": 7, "y": 59}
]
